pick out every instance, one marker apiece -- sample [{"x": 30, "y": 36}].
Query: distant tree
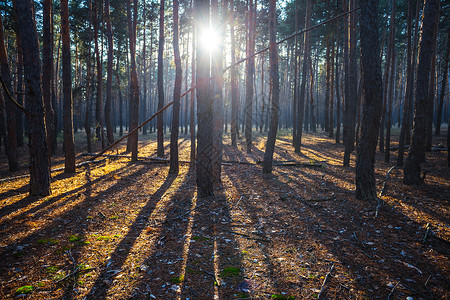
[
  {"x": 233, "y": 83},
  {"x": 174, "y": 166},
  {"x": 99, "y": 101},
  {"x": 275, "y": 89},
  {"x": 373, "y": 89},
  {"x": 204, "y": 108},
  {"x": 11, "y": 144},
  {"x": 69, "y": 148},
  {"x": 39, "y": 161},
  {"x": 87, "y": 118},
  {"x": 160, "y": 119},
  {"x": 416, "y": 155}
]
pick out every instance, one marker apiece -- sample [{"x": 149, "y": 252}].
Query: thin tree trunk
[
  {"x": 250, "y": 73},
  {"x": 99, "y": 100},
  {"x": 87, "y": 118},
  {"x": 132, "y": 143},
  {"x": 337, "y": 84},
  {"x": 302, "y": 94},
  {"x": 19, "y": 86},
  {"x": 390, "y": 84},
  {"x": 109, "y": 78},
  {"x": 192, "y": 155},
  {"x": 331, "y": 119},
  {"x": 160, "y": 120},
  {"x": 234, "y": 84},
  {"x": 327, "y": 87}
]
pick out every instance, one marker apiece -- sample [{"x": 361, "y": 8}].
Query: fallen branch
[
  {"x": 77, "y": 270},
  {"x": 154, "y": 159},
  {"x": 383, "y": 190},
  {"x": 52, "y": 170},
  {"x": 325, "y": 282}
]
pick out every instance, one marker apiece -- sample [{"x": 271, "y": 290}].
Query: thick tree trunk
[
  {"x": 204, "y": 109},
  {"x": 69, "y": 147},
  {"x": 174, "y": 166},
  {"x": 365, "y": 179},
  {"x": 275, "y": 90},
  {"x": 39, "y": 161},
  {"x": 144, "y": 71},
  {"x": 132, "y": 143},
  {"x": 109, "y": 78},
  {"x": 11, "y": 149},
  {"x": 443, "y": 87},
  {"x": 160, "y": 119},
  {"x": 416, "y": 155},
  {"x": 19, "y": 86}
]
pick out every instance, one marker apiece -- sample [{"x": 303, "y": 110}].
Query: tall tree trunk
[
  {"x": 99, "y": 100},
  {"x": 192, "y": 155},
  {"x": 205, "y": 186},
  {"x": 174, "y": 166},
  {"x": 327, "y": 87},
  {"x": 311, "y": 97},
  {"x": 443, "y": 86},
  {"x": 69, "y": 148},
  {"x": 11, "y": 149},
  {"x": 19, "y": 86},
  {"x": 373, "y": 89},
  {"x": 275, "y": 91},
  {"x": 432, "y": 92},
  {"x": 217, "y": 85},
  {"x": 160, "y": 119},
  {"x": 302, "y": 94},
  {"x": 132, "y": 143},
  {"x": 296, "y": 65},
  {"x": 416, "y": 155},
  {"x": 408, "y": 93},
  {"x": 351, "y": 99},
  {"x": 263, "y": 100},
  {"x": 39, "y": 161},
  {"x": 250, "y": 73},
  {"x": 390, "y": 84},
  {"x": 337, "y": 84},
  {"x": 47, "y": 72},
  {"x": 144, "y": 72},
  {"x": 87, "y": 117},
  {"x": 233, "y": 81},
  {"x": 331, "y": 118},
  {"x": 109, "y": 78}
]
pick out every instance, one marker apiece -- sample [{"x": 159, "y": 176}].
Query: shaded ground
[{"x": 120, "y": 230}]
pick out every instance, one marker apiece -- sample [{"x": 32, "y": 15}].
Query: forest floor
[{"x": 122, "y": 230}]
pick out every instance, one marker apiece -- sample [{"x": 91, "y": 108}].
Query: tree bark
[
  {"x": 192, "y": 155},
  {"x": 39, "y": 161},
  {"x": 372, "y": 83},
  {"x": 87, "y": 117},
  {"x": 205, "y": 186},
  {"x": 416, "y": 155},
  {"x": 234, "y": 83},
  {"x": 174, "y": 166},
  {"x": 99, "y": 100},
  {"x": 275, "y": 90},
  {"x": 390, "y": 84},
  {"x": 160, "y": 119},
  {"x": 11, "y": 148},
  {"x": 47, "y": 72},
  {"x": 337, "y": 84},
  {"x": 443, "y": 86}
]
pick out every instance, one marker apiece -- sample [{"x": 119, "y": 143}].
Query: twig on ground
[
  {"x": 383, "y": 190},
  {"x": 77, "y": 270},
  {"x": 325, "y": 282},
  {"x": 392, "y": 291}
]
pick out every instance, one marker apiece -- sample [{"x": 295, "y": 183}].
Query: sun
[{"x": 209, "y": 39}]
